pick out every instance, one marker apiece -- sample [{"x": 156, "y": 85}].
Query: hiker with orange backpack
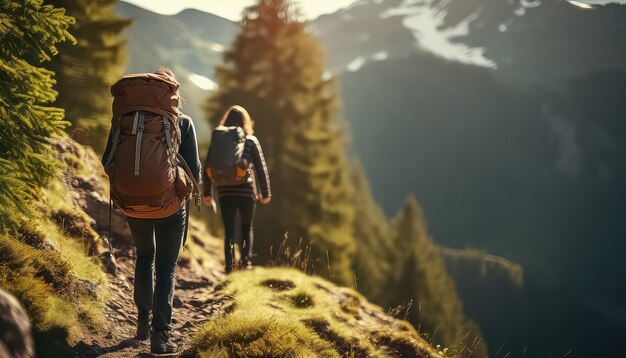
[
  {"x": 235, "y": 169},
  {"x": 152, "y": 162}
]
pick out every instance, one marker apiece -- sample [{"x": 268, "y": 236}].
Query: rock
[
  {"x": 90, "y": 192},
  {"x": 109, "y": 262},
  {"x": 178, "y": 303},
  {"x": 47, "y": 245},
  {"x": 98, "y": 208},
  {"x": 88, "y": 288},
  {"x": 15, "y": 328},
  {"x": 183, "y": 284}
]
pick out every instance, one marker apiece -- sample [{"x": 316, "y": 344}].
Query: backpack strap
[
  {"x": 116, "y": 140},
  {"x": 139, "y": 129},
  {"x": 135, "y": 122},
  {"x": 168, "y": 136},
  {"x": 196, "y": 191}
]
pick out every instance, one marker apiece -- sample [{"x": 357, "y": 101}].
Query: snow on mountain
[
  {"x": 439, "y": 27},
  {"x": 203, "y": 82},
  {"x": 380, "y": 56},
  {"x": 427, "y": 23},
  {"x": 356, "y": 64}
]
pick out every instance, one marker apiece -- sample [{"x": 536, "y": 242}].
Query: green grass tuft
[
  {"x": 257, "y": 334},
  {"x": 284, "y": 312},
  {"x": 49, "y": 287}
]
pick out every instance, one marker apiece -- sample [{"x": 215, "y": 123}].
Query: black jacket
[{"x": 252, "y": 153}]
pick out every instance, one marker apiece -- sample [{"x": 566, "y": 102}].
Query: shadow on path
[{"x": 94, "y": 349}]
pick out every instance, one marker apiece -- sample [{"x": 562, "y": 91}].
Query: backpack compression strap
[
  {"x": 196, "y": 191},
  {"x": 182, "y": 162},
  {"x": 138, "y": 128},
  {"x": 116, "y": 140},
  {"x": 168, "y": 136}
]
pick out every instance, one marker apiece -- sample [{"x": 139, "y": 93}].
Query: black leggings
[
  {"x": 229, "y": 206},
  {"x": 158, "y": 243}
]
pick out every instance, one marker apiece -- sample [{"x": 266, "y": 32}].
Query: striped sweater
[{"x": 258, "y": 177}]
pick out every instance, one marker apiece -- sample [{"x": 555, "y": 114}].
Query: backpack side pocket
[{"x": 184, "y": 184}]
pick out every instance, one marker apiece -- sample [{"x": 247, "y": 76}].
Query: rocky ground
[{"x": 115, "y": 337}]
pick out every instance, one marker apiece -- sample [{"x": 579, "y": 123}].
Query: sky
[{"x": 231, "y": 9}]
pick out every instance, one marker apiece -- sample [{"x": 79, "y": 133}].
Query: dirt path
[{"x": 192, "y": 307}]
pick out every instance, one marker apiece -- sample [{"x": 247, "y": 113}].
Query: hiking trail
[{"x": 193, "y": 305}]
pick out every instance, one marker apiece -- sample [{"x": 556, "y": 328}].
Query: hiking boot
[
  {"x": 143, "y": 328},
  {"x": 245, "y": 264},
  {"x": 160, "y": 343}
]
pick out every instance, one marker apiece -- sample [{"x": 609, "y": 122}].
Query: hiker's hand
[
  {"x": 207, "y": 200},
  {"x": 266, "y": 200}
]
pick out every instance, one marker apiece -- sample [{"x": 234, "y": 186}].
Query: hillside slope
[{"x": 81, "y": 301}]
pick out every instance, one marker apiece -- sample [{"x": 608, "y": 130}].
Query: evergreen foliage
[
  {"x": 397, "y": 263},
  {"x": 275, "y": 69},
  {"x": 373, "y": 263},
  {"x": 85, "y": 71},
  {"x": 29, "y": 32},
  {"x": 422, "y": 277}
]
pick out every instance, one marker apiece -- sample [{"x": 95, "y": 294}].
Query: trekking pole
[{"x": 110, "y": 227}]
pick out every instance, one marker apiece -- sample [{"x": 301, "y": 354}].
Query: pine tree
[
  {"x": 275, "y": 69},
  {"x": 85, "y": 71},
  {"x": 29, "y": 32},
  {"x": 422, "y": 277},
  {"x": 373, "y": 263}
]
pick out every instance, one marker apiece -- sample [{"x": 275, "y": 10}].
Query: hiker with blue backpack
[
  {"x": 152, "y": 162},
  {"x": 235, "y": 171}
]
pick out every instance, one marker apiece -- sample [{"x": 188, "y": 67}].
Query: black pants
[
  {"x": 230, "y": 205},
  {"x": 158, "y": 242}
]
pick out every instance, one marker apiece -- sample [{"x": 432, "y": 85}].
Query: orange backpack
[{"x": 147, "y": 175}]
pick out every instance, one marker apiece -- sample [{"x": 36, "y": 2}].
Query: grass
[
  {"x": 74, "y": 223},
  {"x": 50, "y": 265},
  {"x": 51, "y": 287},
  {"x": 284, "y": 312},
  {"x": 74, "y": 252}
]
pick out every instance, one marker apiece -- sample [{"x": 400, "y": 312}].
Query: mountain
[
  {"x": 527, "y": 41},
  {"x": 191, "y": 43},
  {"x": 503, "y": 118}
]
